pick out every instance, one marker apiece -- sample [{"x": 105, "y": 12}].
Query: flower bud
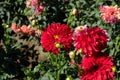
[
  {"x": 7, "y": 26},
  {"x": 117, "y": 38},
  {"x": 113, "y": 68},
  {"x": 79, "y": 51},
  {"x": 69, "y": 78},
  {"x": 57, "y": 45},
  {"x": 75, "y": 12},
  {"x": 80, "y": 27},
  {"x": 72, "y": 55},
  {"x": 33, "y": 22}
]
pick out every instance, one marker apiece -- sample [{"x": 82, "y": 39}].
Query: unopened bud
[
  {"x": 75, "y": 12},
  {"x": 34, "y": 22},
  {"x": 72, "y": 55},
  {"x": 113, "y": 68},
  {"x": 69, "y": 78},
  {"x": 57, "y": 45},
  {"x": 79, "y": 27},
  {"x": 79, "y": 51},
  {"x": 7, "y": 26},
  {"x": 117, "y": 38}
]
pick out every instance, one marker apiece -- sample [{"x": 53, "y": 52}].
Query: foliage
[{"x": 22, "y": 56}]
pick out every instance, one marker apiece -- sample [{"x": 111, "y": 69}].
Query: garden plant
[{"x": 59, "y": 39}]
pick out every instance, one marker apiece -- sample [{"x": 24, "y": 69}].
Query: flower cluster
[
  {"x": 95, "y": 65},
  {"x": 56, "y": 36},
  {"x": 110, "y": 14},
  {"x": 26, "y": 30},
  {"x": 39, "y": 7}
]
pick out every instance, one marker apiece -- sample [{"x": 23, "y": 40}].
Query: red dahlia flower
[
  {"x": 110, "y": 14},
  {"x": 97, "y": 68},
  {"x": 55, "y": 36},
  {"x": 90, "y": 40}
]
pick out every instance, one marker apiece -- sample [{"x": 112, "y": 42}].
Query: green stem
[{"x": 57, "y": 76}]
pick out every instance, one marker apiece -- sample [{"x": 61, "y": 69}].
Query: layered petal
[
  {"x": 90, "y": 40},
  {"x": 97, "y": 68},
  {"x": 110, "y": 14}
]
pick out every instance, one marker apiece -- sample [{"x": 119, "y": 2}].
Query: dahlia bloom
[
  {"x": 90, "y": 40},
  {"x": 97, "y": 68},
  {"x": 110, "y": 14},
  {"x": 26, "y": 30},
  {"x": 55, "y": 36},
  {"x": 39, "y": 9}
]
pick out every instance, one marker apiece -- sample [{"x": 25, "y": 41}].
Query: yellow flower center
[{"x": 56, "y": 36}]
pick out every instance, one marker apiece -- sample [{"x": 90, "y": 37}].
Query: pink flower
[
  {"x": 110, "y": 14},
  {"x": 39, "y": 9},
  {"x": 97, "y": 68},
  {"x": 15, "y": 27},
  {"x": 90, "y": 40},
  {"x": 26, "y": 30},
  {"x": 55, "y": 36},
  {"x": 35, "y": 2}
]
